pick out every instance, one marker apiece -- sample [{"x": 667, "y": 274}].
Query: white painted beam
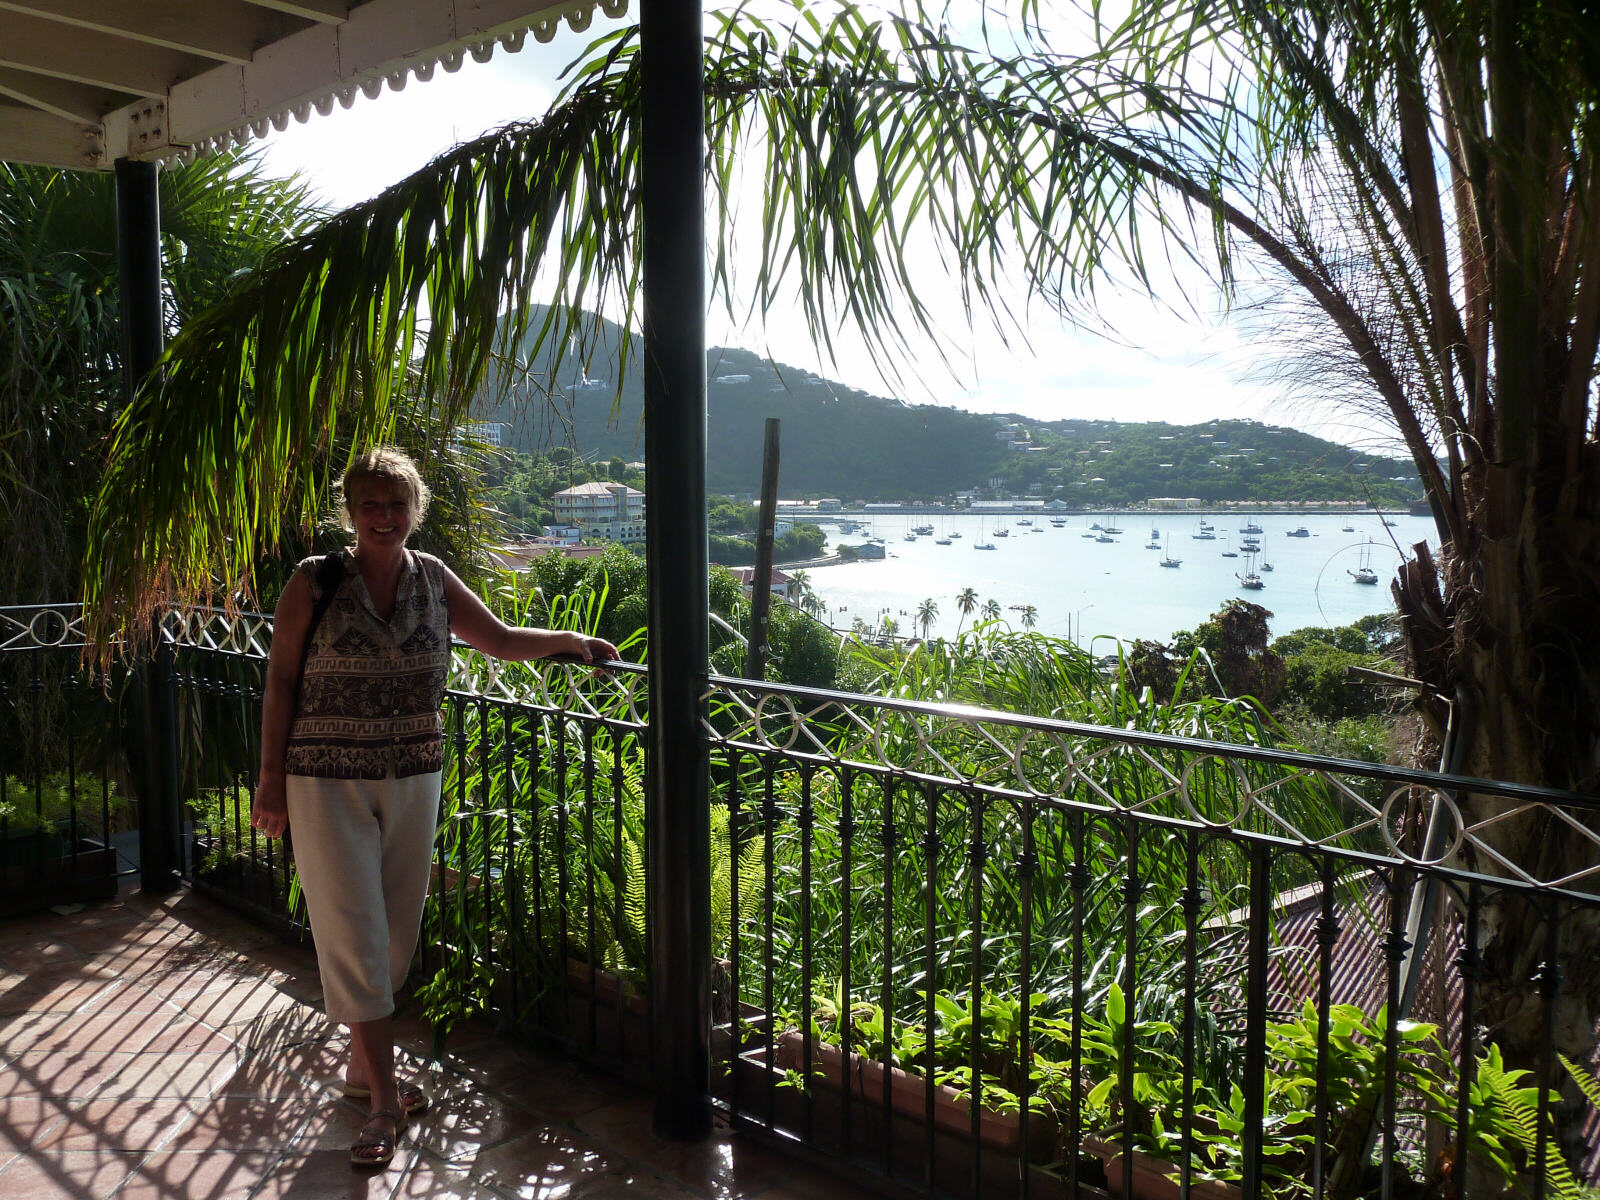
[
  {"x": 84, "y": 56},
  {"x": 69, "y": 101},
  {"x": 29, "y": 136},
  {"x": 311, "y": 10},
  {"x": 223, "y": 30}
]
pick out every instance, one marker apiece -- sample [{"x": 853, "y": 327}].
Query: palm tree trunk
[{"x": 1509, "y": 637}]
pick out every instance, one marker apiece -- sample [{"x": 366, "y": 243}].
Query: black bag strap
[{"x": 329, "y": 571}]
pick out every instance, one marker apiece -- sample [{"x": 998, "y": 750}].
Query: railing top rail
[
  {"x": 821, "y": 698},
  {"x": 763, "y": 708}
]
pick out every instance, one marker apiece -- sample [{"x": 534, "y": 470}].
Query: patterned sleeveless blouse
[{"x": 371, "y": 692}]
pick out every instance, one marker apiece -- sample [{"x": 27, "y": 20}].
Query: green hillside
[{"x": 839, "y": 441}]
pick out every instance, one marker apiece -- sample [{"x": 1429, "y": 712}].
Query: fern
[
  {"x": 1586, "y": 1080},
  {"x": 1505, "y": 1115}
]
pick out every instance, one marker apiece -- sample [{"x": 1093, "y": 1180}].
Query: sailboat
[
  {"x": 1168, "y": 561},
  {"x": 1250, "y": 580},
  {"x": 1155, "y": 539},
  {"x": 980, "y": 544},
  {"x": 1228, "y": 551},
  {"x": 1364, "y": 573},
  {"x": 1265, "y": 565},
  {"x": 1204, "y": 534}
]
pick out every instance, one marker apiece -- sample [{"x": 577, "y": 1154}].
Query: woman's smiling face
[{"x": 382, "y": 516}]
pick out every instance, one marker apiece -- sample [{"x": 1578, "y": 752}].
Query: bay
[{"x": 1092, "y": 591}]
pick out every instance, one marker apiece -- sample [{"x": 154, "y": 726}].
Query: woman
[{"x": 352, "y": 755}]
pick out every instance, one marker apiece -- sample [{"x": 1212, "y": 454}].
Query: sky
[{"x": 1174, "y": 359}]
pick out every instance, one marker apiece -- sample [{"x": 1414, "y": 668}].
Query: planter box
[
  {"x": 607, "y": 987},
  {"x": 605, "y": 1015},
  {"x": 866, "y": 1080},
  {"x": 39, "y": 871},
  {"x": 1153, "y": 1178},
  {"x": 891, "y": 1140}
]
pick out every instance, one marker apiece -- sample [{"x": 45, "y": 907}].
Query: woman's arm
[
  {"x": 289, "y": 622},
  {"x": 474, "y": 624}
]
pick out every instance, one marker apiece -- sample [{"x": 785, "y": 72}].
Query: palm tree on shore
[
  {"x": 967, "y": 604},
  {"x": 800, "y": 590},
  {"x": 991, "y": 610},
  {"x": 927, "y": 613},
  {"x": 1030, "y": 616}
]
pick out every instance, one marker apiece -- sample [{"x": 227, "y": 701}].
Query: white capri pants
[{"x": 363, "y": 848}]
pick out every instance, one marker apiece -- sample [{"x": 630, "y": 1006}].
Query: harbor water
[{"x": 1089, "y": 589}]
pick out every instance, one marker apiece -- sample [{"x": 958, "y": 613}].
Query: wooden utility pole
[{"x": 755, "y": 666}]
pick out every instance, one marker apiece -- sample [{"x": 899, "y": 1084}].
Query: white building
[
  {"x": 487, "y": 433},
  {"x": 779, "y": 581},
  {"x": 627, "y": 532},
  {"x": 595, "y": 504}
]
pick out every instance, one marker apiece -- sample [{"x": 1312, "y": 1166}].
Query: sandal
[
  {"x": 414, "y": 1097},
  {"x": 377, "y": 1151}
]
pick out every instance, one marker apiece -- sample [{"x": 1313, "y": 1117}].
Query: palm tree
[
  {"x": 1030, "y": 616},
  {"x": 1421, "y": 199},
  {"x": 991, "y": 610},
  {"x": 927, "y": 614},
  {"x": 967, "y": 603},
  {"x": 61, "y": 380},
  {"x": 800, "y": 588}
]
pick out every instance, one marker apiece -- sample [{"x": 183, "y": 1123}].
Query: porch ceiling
[{"x": 85, "y": 82}]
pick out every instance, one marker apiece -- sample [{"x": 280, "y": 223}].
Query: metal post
[
  {"x": 761, "y": 581},
  {"x": 139, "y": 287},
  {"x": 673, "y": 213}
]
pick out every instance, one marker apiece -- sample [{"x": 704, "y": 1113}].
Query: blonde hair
[{"x": 383, "y": 464}]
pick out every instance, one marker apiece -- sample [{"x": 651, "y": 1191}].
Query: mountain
[{"x": 840, "y": 441}]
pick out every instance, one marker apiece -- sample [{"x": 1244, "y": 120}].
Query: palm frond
[{"x": 872, "y": 129}]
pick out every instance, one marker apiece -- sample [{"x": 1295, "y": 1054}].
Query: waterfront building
[
  {"x": 779, "y": 583},
  {"x": 593, "y": 504}
]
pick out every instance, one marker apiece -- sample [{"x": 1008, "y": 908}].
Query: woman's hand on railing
[{"x": 581, "y": 648}]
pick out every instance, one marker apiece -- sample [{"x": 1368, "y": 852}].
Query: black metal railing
[
  {"x": 999, "y": 955},
  {"x": 68, "y": 815},
  {"x": 965, "y": 952}
]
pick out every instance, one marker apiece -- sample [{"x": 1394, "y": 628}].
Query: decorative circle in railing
[
  {"x": 1232, "y": 776},
  {"x": 1442, "y": 806},
  {"x": 49, "y": 627},
  {"x": 796, "y": 722},
  {"x": 1061, "y": 780}
]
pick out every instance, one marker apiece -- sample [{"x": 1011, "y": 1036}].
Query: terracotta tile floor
[{"x": 172, "y": 1051}]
